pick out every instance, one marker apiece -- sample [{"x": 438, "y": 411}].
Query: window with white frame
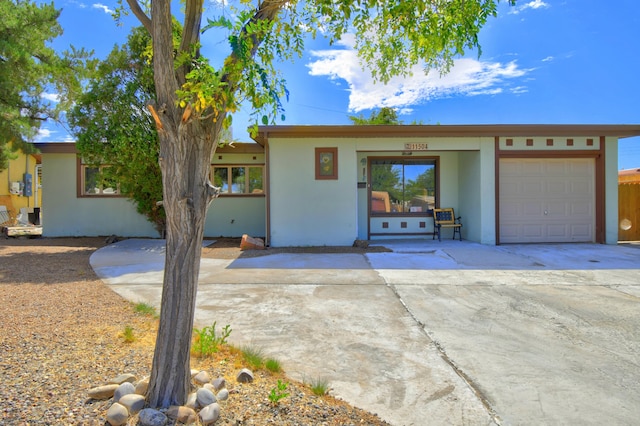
[{"x": 239, "y": 179}]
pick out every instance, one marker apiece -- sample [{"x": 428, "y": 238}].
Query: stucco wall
[
  {"x": 611, "y": 190},
  {"x": 235, "y": 216},
  {"x": 306, "y": 211},
  {"x": 477, "y": 193},
  {"x": 66, "y": 215}
]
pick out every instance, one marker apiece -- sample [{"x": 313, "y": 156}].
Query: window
[
  {"x": 239, "y": 180},
  {"x": 326, "y": 163},
  {"x": 95, "y": 182},
  {"x": 403, "y": 187}
]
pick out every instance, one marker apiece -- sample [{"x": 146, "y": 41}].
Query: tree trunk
[{"x": 185, "y": 163}]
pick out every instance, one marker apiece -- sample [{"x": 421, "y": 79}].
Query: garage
[{"x": 547, "y": 200}]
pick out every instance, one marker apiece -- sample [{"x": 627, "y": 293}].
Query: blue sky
[{"x": 543, "y": 61}]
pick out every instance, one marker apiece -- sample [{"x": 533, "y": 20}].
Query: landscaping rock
[
  {"x": 117, "y": 415},
  {"x": 123, "y": 378},
  {"x": 201, "y": 378},
  {"x": 210, "y": 414},
  {"x": 192, "y": 401},
  {"x": 142, "y": 386},
  {"x": 151, "y": 417},
  {"x": 122, "y": 390},
  {"x": 219, "y": 383},
  {"x": 245, "y": 376},
  {"x": 103, "y": 392},
  {"x": 133, "y": 402},
  {"x": 182, "y": 414},
  {"x": 205, "y": 397},
  {"x": 250, "y": 243},
  {"x": 223, "y": 395}
]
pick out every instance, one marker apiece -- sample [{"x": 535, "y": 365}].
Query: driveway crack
[{"x": 443, "y": 354}]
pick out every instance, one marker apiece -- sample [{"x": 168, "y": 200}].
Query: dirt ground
[{"x": 62, "y": 334}]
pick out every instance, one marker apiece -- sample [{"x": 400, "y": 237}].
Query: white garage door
[{"x": 547, "y": 200}]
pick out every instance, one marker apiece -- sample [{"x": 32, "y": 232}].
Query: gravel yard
[{"x": 62, "y": 335}]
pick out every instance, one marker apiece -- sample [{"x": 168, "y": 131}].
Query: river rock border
[{"x": 128, "y": 399}]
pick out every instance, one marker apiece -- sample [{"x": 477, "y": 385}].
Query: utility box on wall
[{"x": 28, "y": 185}]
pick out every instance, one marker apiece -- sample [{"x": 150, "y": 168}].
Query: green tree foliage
[
  {"x": 113, "y": 126},
  {"x": 194, "y": 100},
  {"x": 384, "y": 115},
  {"x": 29, "y": 67}
]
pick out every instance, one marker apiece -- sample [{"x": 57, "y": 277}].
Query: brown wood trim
[
  {"x": 549, "y": 154},
  {"x": 56, "y": 147},
  {"x": 241, "y": 148},
  {"x": 600, "y": 194},
  {"x": 79, "y": 191},
  {"x": 320, "y": 153},
  {"x": 267, "y": 185},
  {"x": 496, "y": 181},
  {"x": 473, "y": 130},
  {"x": 599, "y": 157}
]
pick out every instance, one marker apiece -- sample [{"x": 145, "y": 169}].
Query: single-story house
[{"x": 331, "y": 185}]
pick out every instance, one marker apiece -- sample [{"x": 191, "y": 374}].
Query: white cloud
[
  {"x": 43, "y": 134},
  {"x": 534, "y": 4},
  {"x": 468, "y": 77},
  {"x": 52, "y": 97},
  {"x": 104, "y": 8}
]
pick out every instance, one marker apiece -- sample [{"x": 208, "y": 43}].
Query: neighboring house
[
  {"x": 331, "y": 185},
  {"x": 629, "y": 176},
  {"x": 77, "y": 207},
  {"x": 20, "y": 187}
]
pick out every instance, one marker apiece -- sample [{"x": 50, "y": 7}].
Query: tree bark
[
  {"x": 187, "y": 144},
  {"x": 186, "y": 149},
  {"x": 185, "y": 169}
]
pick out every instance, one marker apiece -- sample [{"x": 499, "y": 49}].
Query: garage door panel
[
  {"x": 581, "y": 230},
  {"x": 531, "y": 167},
  {"x": 557, "y": 231},
  {"x": 532, "y": 187},
  {"x": 533, "y": 231},
  {"x": 547, "y": 200},
  {"x": 557, "y": 209},
  {"x": 581, "y": 209}
]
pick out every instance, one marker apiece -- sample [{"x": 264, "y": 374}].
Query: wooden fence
[{"x": 629, "y": 212}]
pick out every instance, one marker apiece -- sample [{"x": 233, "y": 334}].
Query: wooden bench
[{"x": 445, "y": 218}]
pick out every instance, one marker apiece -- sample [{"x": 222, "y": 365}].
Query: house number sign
[{"x": 416, "y": 147}]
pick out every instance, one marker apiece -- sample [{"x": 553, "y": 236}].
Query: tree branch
[
  {"x": 139, "y": 13},
  {"x": 267, "y": 11}
]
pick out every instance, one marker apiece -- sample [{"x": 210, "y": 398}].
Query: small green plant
[
  {"x": 207, "y": 342},
  {"x": 279, "y": 392},
  {"x": 273, "y": 365},
  {"x": 127, "y": 334},
  {"x": 145, "y": 309},
  {"x": 253, "y": 356},
  {"x": 319, "y": 386}
]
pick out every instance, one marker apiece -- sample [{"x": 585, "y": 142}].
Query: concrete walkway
[{"x": 451, "y": 333}]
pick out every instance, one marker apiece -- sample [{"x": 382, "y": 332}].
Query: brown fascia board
[
  {"x": 56, "y": 147},
  {"x": 70, "y": 148},
  {"x": 241, "y": 148},
  {"x": 465, "y": 130}
]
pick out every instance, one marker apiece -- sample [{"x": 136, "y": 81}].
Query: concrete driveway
[{"x": 451, "y": 333}]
